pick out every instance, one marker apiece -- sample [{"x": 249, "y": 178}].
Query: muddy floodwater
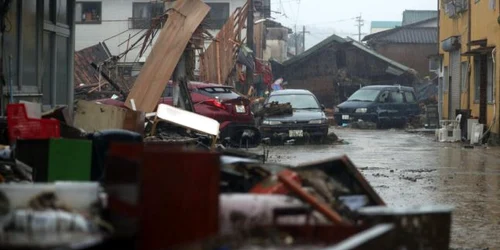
[{"x": 412, "y": 169}]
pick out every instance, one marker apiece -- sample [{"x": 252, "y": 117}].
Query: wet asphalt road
[{"x": 412, "y": 169}]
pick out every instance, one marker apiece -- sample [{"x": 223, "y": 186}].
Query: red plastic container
[{"x": 22, "y": 127}]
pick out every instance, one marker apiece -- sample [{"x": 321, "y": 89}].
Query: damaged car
[
  {"x": 384, "y": 105},
  {"x": 221, "y": 103},
  {"x": 293, "y": 114}
]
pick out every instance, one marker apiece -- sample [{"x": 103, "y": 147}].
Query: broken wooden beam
[
  {"x": 111, "y": 82},
  {"x": 182, "y": 21}
]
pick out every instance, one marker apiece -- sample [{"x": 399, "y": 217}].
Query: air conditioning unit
[{"x": 453, "y": 8}]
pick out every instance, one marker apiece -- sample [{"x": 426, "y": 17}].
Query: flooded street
[{"x": 411, "y": 169}]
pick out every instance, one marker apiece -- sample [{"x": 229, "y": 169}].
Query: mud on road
[{"x": 411, "y": 170}]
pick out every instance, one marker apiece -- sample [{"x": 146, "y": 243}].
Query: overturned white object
[
  {"x": 477, "y": 133},
  {"x": 188, "y": 119}
]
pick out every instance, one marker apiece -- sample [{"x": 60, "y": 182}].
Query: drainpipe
[
  {"x": 440, "y": 105},
  {"x": 469, "y": 38},
  {"x": 71, "y": 57}
]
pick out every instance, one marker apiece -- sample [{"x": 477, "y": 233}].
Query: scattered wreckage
[
  {"x": 130, "y": 178},
  {"x": 219, "y": 102},
  {"x": 247, "y": 203}
]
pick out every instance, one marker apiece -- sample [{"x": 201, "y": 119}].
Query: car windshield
[
  {"x": 364, "y": 95},
  {"x": 297, "y": 101}
]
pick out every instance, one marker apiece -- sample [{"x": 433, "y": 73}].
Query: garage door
[{"x": 454, "y": 93}]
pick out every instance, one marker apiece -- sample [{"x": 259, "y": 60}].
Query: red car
[{"x": 221, "y": 103}]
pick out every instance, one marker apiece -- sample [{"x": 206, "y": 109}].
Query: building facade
[
  {"x": 410, "y": 44},
  {"x": 117, "y": 23},
  {"x": 336, "y": 67},
  {"x": 469, "y": 32},
  {"x": 37, "y": 52}
]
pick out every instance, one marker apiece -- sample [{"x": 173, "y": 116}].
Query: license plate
[
  {"x": 296, "y": 133},
  {"x": 345, "y": 117},
  {"x": 240, "y": 109}
]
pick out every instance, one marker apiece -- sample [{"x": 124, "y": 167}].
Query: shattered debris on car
[{"x": 293, "y": 115}]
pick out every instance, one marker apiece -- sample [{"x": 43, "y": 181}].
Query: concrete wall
[
  {"x": 484, "y": 25},
  {"x": 414, "y": 56},
  {"x": 37, "y": 53}
]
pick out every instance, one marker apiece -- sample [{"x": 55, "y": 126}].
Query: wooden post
[{"x": 217, "y": 48}]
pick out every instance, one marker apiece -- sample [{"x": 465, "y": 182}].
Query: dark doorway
[{"x": 483, "y": 84}]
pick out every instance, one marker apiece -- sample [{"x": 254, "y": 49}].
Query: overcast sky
[{"x": 323, "y": 18}]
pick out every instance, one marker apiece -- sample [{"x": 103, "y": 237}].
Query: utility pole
[
  {"x": 360, "y": 23},
  {"x": 296, "y": 37},
  {"x": 303, "y": 38},
  {"x": 249, "y": 78},
  {"x": 304, "y": 32}
]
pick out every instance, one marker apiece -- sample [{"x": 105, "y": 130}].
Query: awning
[{"x": 479, "y": 51}]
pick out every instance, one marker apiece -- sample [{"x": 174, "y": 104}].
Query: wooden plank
[
  {"x": 219, "y": 58},
  {"x": 183, "y": 20}
]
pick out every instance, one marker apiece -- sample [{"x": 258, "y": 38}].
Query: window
[
  {"x": 409, "y": 97},
  {"x": 397, "y": 97},
  {"x": 491, "y": 79},
  {"x": 220, "y": 93},
  {"x": 88, "y": 12},
  {"x": 144, "y": 13},
  {"x": 465, "y": 75},
  {"x": 364, "y": 95},
  {"x": 218, "y": 15}
]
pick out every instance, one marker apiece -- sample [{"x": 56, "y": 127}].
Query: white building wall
[
  {"x": 114, "y": 16},
  {"x": 276, "y": 49}
]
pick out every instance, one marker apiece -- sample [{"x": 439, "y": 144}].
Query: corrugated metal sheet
[
  {"x": 372, "y": 52},
  {"x": 323, "y": 44},
  {"x": 84, "y": 73},
  {"x": 412, "y": 35},
  {"x": 415, "y": 16}
]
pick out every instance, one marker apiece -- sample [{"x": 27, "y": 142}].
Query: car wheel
[{"x": 380, "y": 124}]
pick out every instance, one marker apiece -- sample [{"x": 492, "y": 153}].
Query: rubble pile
[{"x": 146, "y": 175}]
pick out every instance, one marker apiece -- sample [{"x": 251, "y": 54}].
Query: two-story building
[
  {"x": 119, "y": 23},
  {"x": 469, "y": 32}
]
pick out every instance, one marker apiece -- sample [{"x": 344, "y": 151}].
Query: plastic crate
[{"x": 22, "y": 127}]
